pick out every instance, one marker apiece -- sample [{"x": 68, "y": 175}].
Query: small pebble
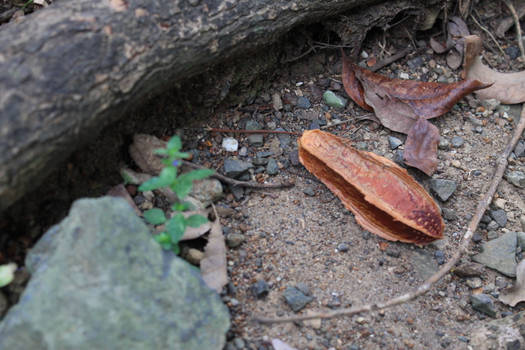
[
  {"x": 243, "y": 151},
  {"x": 343, "y": 247},
  {"x": 260, "y": 289},
  {"x": 233, "y": 240},
  {"x": 194, "y": 256},
  {"x": 303, "y": 102},
  {"x": 440, "y": 257},
  {"x": 394, "y": 142},
  {"x": 239, "y": 343},
  {"x": 443, "y": 188},
  {"x": 333, "y": 100},
  {"x": 296, "y": 299},
  {"x": 309, "y": 191},
  {"x": 293, "y": 156},
  {"x": 230, "y": 144},
  {"x": 500, "y": 216},
  {"x": 272, "y": 168},
  {"x": 484, "y": 304},
  {"x": 444, "y": 144},
  {"x": 457, "y": 141},
  {"x": 517, "y": 178},
  {"x": 476, "y": 238},
  {"x": 474, "y": 282},
  {"x": 513, "y": 52}
]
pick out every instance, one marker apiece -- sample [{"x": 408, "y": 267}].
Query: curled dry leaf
[
  {"x": 399, "y": 104},
  {"x": 506, "y": 87},
  {"x": 516, "y": 294},
  {"x": 213, "y": 265},
  {"x": 383, "y": 197}
]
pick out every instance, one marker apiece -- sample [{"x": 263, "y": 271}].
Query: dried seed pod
[{"x": 383, "y": 197}]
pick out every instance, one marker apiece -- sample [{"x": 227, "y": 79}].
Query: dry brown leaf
[
  {"x": 516, "y": 294},
  {"x": 120, "y": 191},
  {"x": 399, "y": 104},
  {"x": 142, "y": 152},
  {"x": 508, "y": 88},
  {"x": 213, "y": 265},
  {"x": 195, "y": 232},
  {"x": 383, "y": 197},
  {"x": 421, "y": 146}
]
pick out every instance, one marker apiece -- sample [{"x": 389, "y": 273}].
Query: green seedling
[{"x": 181, "y": 185}]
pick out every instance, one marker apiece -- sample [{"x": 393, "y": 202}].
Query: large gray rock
[{"x": 101, "y": 282}]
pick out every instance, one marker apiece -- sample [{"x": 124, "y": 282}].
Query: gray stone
[
  {"x": 99, "y": 281},
  {"x": 399, "y": 158},
  {"x": 272, "y": 168},
  {"x": 500, "y": 216},
  {"x": 519, "y": 150},
  {"x": 234, "y": 167},
  {"x": 233, "y": 240},
  {"x": 499, "y": 254},
  {"x": 303, "y": 102},
  {"x": 343, "y": 247},
  {"x": 239, "y": 343},
  {"x": 264, "y": 154},
  {"x": 394, "y": 142},
  {"x": 484, "y": 304},
  {"x": 260, "y": 161},
  {"x": 293, "y": 156},
  {"x": 443, "y": 188},
  {"x": 474, "y": 282},
  {"x": 449, "y": 214},
  {"x": 443, "y": 144},
  {"x": 521, "y": 240},
  {"x": 457, "y": 141},
  {"x": 303, "y": 287},
  {"x": 207, "y": 191},
  {"x": 296, "y": 299},
  {"x": 260, "y": 289},
  {"x": 309, "y": 191},
  {"x": 333, "y": 100},
  {"x": 517, "y": 178},
  {"x": 284, "y": 139},
  {"x": 256, "y": 140},
  {"x": 469, "y": 269}
]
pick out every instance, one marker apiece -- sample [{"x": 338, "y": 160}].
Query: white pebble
[
  {"x": 404, "y": 75},
  {"x": 230, "y": 144}
]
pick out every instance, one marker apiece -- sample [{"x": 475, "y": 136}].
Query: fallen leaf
[
  {"x": 421, "y": 146},
  {"x": 399, "y": 104},
  {"x": 195, "y": 232},
  {"x": 383, "y": 197},
  {"x": 508, "y": 88},
  {"x": 438, "y": 46},
  {"x": 280, "y": 345},
  {"x": 142, "y": 152},
  {"x": 213, "y": 265},
  {"x": 516, "y": 294},
  {"x": 457, "y": 29}
]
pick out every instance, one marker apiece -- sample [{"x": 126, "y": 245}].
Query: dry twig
[
  {"x": 489, "y": 34},
  {"x": 518, "y": 27},
  {"x": 234, "y": 182},
  {"x": 425, "y": 287}
]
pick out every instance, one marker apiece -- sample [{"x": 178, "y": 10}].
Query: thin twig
[
  {"x": 518, "y": 27},
  {"x": 385, "y": 62},
  {"x": 254, "y": 131},
  {"x": 489, "y": 34},
  {"x": 463, "y": 247},
  {"x": 238, "y": 183}
]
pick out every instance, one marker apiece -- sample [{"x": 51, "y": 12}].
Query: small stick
[
  {"x": 463, "y": 247},
  {"x": 254, "y": 131},
  {"x": 385, "y": 62},
  {"x": 234, "y": 182},
  {"x": 489, "y": 34},
  {"x": 518, "y": 27}
]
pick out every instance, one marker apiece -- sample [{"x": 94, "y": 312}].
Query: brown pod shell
[{"x": 384, "y": 198}]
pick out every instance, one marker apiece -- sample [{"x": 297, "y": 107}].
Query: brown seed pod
[{"x": 383, "y": 197}]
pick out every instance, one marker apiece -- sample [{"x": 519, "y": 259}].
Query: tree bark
[{"x": 71, "y": 69}]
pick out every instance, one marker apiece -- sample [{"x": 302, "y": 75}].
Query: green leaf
[
  {"x": 181, "y": 206},
  {"x": 176, "y": 227},
  {"x": 155, "y": 216},
  {"x": 161, "y": 151},
  {"x": 162, "y": 238},
  {"x": 176, "y": 249},
  {"x": 197, "y": 174},
  {"x": 165, "y": 179},
  {"x": 196, "y": 220},
  {"x": 182, "y": 186},
  {"x": 174, "y": 143}
]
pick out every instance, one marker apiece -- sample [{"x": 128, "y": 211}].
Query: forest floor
[{"x": 302, "y": 240}]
